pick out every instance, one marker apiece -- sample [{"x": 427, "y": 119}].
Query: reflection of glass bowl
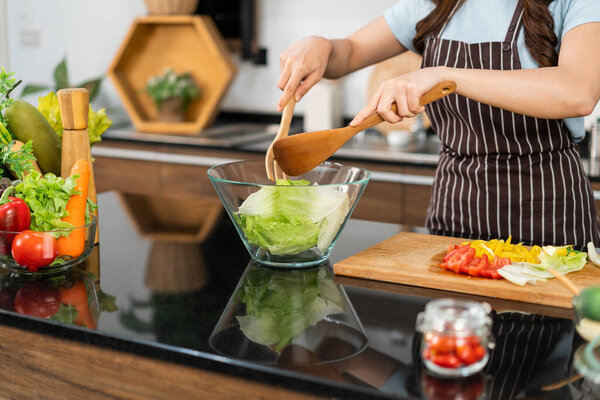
[
  {"x": 45, "y": 252},
  {"x": 587, "y": 312},
  {"x": 289, "y": 317},
  {"x": 68, "y": 297},
  {"x": 288, "y": 225},
  {"x": 585, "y": 371}
]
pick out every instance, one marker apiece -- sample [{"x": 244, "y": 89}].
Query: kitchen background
[{"x": 35, "y": 35}]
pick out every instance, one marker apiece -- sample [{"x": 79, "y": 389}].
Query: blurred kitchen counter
[{"x": 402, "y": 169}]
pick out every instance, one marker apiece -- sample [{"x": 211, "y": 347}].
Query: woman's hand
[
  {"x": 302, "y": 66},
  {"x": 406, "y": 91}
]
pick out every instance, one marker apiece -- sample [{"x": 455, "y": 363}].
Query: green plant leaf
[
  {"x": 61, "y": 75},
  {"x": 92, "y": 85},
  {"x": 33, "y": 88}
]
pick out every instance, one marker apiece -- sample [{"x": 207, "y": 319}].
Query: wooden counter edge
[{"x": 41, "y": 366}]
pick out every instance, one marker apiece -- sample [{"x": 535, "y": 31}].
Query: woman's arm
[
  {"x": 305, "y": 62},
  {"x": 571, "y": 89}
]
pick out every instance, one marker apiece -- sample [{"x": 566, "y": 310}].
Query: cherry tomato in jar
[
  {"x": 446, "y": 360},
  {"x": 466, "y": 353},
  {"x": 442, "y": 343},
  {"x": 479, "y": 351},
  {"x": 34, "y": 249},
  {"x": 38, "y": 299}
]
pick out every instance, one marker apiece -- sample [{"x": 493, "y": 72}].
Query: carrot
[
  {"x": 76, "y": 296},
  {"x": 74, "y": 244}
]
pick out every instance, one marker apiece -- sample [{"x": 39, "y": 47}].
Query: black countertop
[{"x": 171, "y": 295}]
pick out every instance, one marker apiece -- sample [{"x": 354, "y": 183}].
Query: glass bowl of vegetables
[
  {"x": 46, "y": 252},
  {"x": 290, "y": 223}
]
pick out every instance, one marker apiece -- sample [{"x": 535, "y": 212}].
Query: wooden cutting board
[{"x": 414, "y": 258}]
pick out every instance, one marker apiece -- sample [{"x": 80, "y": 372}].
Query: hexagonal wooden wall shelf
[{"x": 184, "y": 43}]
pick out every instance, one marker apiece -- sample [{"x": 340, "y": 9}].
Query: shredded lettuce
[
  {"x": 293, "y": 216},
  {"x": 280, "y": 305},
  {"x": 565, "y": 262}
]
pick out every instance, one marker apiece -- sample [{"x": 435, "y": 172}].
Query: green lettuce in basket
[{"x": 287, "y": 221}]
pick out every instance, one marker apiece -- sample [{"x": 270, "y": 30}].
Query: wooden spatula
[{"x": 302, "y": 152}]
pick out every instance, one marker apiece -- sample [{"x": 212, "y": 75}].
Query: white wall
[{"x": 89, "y": 32}]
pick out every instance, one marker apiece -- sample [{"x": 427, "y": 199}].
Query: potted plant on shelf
[{"x": 172, "y": 94}]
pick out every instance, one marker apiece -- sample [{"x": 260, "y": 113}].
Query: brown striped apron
[{"x": 501, "y": 173}]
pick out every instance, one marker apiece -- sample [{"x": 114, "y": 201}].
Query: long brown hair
[{"x": 540, "y": 38}]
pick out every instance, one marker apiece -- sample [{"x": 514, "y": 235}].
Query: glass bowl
[
  {"x": 296, "y": 223},
  {"x": 41, "y": 253}
]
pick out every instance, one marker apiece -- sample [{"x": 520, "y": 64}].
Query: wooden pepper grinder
[{"x": 74, "y": 106}]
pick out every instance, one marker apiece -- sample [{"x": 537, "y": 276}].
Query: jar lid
[{"x": 455, "y": 317}]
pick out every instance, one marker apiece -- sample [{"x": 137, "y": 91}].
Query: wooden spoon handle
[
  {"x": 565, "y": 281},
  {"x": 437, "y": 92}
]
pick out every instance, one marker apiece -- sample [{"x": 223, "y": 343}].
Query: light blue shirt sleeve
[
  {"x": 402, "y": 18},
  {"x": 569, "y": 14}
]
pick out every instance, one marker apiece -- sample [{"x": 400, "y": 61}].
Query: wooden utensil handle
[
  {"x": 74, "y": 106},
  {"x": 437, "y": 92},
  {"x": 286, "y": 118}
]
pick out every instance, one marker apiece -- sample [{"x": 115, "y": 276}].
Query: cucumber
[{"x": 27, "y": 123}]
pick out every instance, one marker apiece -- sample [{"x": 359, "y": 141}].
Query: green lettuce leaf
[
  {"x": 280, "y": 305},
  {"x": 65, "y": 314},
  {"x": 98, "y": 121},
  {"x": 47, "y": 197},
  {"x": 293, "y": 216}
]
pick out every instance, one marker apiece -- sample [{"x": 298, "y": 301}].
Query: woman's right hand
[{"x": 302, "y": 66}]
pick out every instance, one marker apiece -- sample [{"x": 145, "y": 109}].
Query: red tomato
[
  {"x": 37, "y": 299},
  {"x": 479, "y": 351},
  {"x": 34, "y": 249},
  {"x": 442, "y": 343},
  {"x": 465, "y": 352},
  {"x": 445, "y": 360}
]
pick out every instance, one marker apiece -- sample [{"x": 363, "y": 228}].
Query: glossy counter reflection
[
  {"x": 173, "y": 294},
  {"x": 289, "y": 317}
]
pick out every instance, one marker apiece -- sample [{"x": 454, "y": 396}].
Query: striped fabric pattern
[{"x": 502, "y": 173}]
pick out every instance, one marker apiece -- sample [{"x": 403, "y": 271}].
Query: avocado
[{"x": 27, "y": 123}]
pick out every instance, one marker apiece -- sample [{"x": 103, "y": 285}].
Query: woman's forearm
[
  {"x": 339, "y": 58},
  {"x": 371, "y": 44},
  {"x": 555, "y": 92}
]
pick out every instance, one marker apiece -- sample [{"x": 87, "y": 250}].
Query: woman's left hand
[{"x": 406, "y": 91}]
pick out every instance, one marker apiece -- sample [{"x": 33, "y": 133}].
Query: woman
[{"x": 527, "y": 71}]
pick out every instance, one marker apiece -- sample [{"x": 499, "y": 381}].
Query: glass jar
[{"x": 456, "y": 336}]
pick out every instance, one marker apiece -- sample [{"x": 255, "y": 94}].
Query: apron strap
[{"x": 515, "y": 24}]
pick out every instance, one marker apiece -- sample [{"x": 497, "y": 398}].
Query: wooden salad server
[
  {"x": 302, "y": 152},
  {"x": 271, "y": 166},
  {"x": 74, "y": 106}
]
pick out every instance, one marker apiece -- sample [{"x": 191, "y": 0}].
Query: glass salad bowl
[
  {"x": 41, "y": 253},
  {"x": 296, "y": 222}
]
